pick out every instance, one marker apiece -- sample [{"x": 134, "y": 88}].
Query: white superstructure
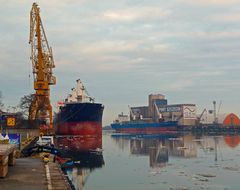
[{"x": 79, "y": 94}]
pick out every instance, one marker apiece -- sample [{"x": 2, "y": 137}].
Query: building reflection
[
  {"x": 161, "y": 148},
  {"x": 84, "y": 155},
  {"x": 122, "y": 143},
  {"x": 158, "y": 157},
  {"x": 232, "y": 141},
  {"x": 182, "y": 147},
  {"x": 155, "y": 148}
]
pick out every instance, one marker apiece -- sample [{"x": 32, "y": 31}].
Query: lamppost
[{"x": 3, "y": 126}]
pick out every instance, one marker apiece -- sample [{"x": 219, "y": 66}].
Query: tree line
[{"x": 21, "y": 108}]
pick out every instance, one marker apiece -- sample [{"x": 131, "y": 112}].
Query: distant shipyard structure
[
  {"x": 158, "y": 109},
  {"x": 159, "y": 116}
]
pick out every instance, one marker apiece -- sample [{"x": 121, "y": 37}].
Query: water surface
[{"x": 162, "y": 162}]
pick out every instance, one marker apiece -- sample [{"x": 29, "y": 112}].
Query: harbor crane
[
  {"x": 42, "y": 65},
  {"x": 200, "y": 117},
  {"x": 132, "y": 115}
]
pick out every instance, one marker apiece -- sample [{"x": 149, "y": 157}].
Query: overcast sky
[{"x": 124, "y": 50}]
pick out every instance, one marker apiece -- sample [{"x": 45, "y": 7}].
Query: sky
[{"x": 188, "y": 50}]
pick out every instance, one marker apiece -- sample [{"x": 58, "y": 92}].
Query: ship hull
[
  {"x": 76, "y": 144},
  {"x": 82, "y": 128},
  {"x": 80, "y": 119},
  {"x": 146, "y": 128}
]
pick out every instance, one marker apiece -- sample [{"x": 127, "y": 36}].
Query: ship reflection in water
[
  {"x": 83, "y": 155},
  {"x": 160, "y": 148},
  {"x": 74, "y": 144},
  {"x": 154, "y": 162}
]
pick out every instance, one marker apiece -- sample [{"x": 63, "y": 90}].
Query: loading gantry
[{"x": 42, "y": 65}]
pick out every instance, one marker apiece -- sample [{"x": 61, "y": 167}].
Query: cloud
[
  {"x": 108, "y": 47},
  {"x": 108, "y": 55},
  {"x": 210, "y": 2},
  {"x": 210, "y": 34},
  {"x": 230, "y": 17},
  {"x": 136, "y": 13},
  {"x": 180, "y": 85},
  {"x": 180, "y": 47}
]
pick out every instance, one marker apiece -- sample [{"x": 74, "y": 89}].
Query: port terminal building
[{"x": 158, "y": 109}]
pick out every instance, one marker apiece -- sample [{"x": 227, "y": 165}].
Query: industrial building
[
  {"x": 185, "y": 114},
  {"x": 158, "y": 109}
]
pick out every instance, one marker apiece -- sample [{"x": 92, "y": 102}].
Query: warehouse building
[
  {"x": 185, "y": 114},
  {"x": 159, "y": 110}
]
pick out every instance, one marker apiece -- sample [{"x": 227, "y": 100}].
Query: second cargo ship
[
  {"x": 156, "y": 118},
  {"x": 146, "y": 128},
  {"x": 79, "y": 115}
]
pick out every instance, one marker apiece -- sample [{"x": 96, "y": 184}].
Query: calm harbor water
[{"x": 161, "y": 162}]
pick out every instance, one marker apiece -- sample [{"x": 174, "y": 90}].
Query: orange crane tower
[{"x": 42, "y": 65}]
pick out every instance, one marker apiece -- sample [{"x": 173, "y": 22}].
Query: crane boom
[
  {"x": 42, "y": 64},
  {"x": 200, "y": 117}
]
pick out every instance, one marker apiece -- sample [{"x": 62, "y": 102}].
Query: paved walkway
[{"x": 27, "y": 174}]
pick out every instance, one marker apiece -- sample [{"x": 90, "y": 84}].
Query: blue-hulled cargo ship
[{"x": 147, "y": 119}]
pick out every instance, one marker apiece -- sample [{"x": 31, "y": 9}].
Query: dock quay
[
  {"x": 29, "y": 173},
  {"x": 56, "y": 180}
]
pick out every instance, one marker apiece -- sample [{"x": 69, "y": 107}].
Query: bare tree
[
  {"x": 1, "y": 103},
  {"x": 25, "y": 103}
]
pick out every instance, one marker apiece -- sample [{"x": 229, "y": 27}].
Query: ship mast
[{"x": 80, "y": 91}]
